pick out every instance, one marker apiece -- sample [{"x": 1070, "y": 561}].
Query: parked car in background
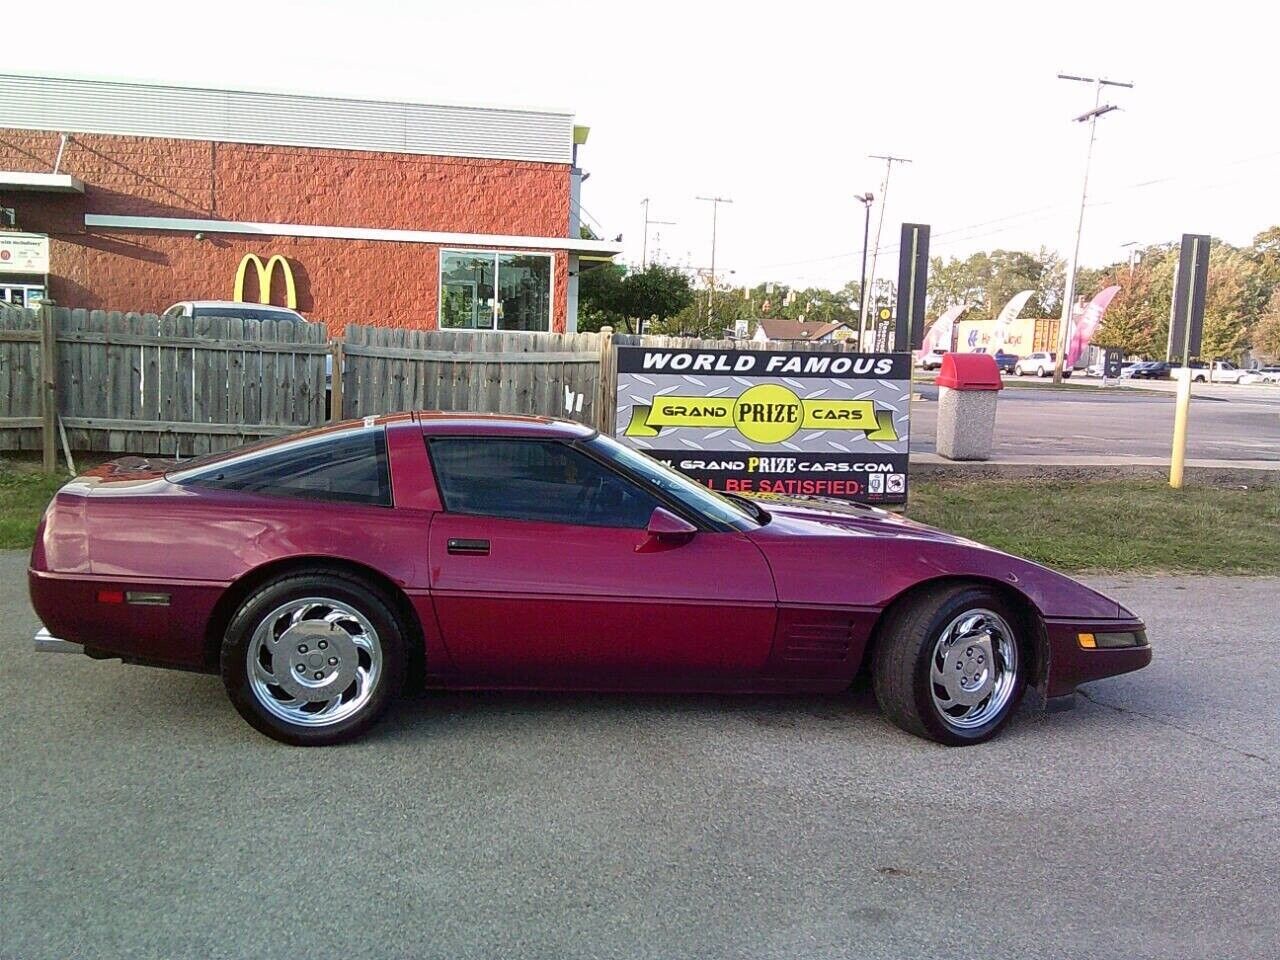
[
  {"x": 1267, "y": 374},
  {"x": 1040, "y": 364},
  {"x": 1005, "y": 362},
  {"x": 233, "y": 308},
  {"x": 1220, "y": 371},
  {"x": 1127, "y": 368},
  {"x": 321, "y": 573},
  {"x": 246, "y": 311},
  {"x": 931, "y": 360},
  {"x": 1153, "y": 370}
]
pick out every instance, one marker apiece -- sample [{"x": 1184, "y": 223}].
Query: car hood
[
  {"x": 824, "y": 552},
  {"x": 816, "y": 516}
]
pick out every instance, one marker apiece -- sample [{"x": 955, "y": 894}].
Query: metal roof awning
[{"x": 40, "y": 182}]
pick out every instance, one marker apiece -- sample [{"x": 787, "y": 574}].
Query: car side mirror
[{"x": 665, "y": 527}]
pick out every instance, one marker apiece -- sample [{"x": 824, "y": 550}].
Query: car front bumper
[{"x": 1071, "y": 664}]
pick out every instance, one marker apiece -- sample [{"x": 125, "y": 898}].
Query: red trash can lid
[{"x": 969, "y": 371}]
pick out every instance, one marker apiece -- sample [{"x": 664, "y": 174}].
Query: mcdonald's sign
[{"x": 265, "y": 273}]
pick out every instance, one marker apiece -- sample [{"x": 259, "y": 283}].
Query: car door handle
[{"x": 468, "y": 548}]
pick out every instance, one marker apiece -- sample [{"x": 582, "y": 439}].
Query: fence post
[
  {"x": 48, "y": 386},
  {"x": 335, "y": 381},
  {"x": 606, "y": 400}
]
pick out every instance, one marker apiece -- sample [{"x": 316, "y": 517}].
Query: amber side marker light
[{"x": 1112, "y": 641}]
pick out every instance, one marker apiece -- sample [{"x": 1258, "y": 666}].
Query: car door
[{"x": 542, "y": 574}]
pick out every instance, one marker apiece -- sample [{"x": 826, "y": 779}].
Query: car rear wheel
[
  {"x": 314, "y": 659},
  {"x": 950, "y": 665},
  {"x": 1040, "y": 371}
]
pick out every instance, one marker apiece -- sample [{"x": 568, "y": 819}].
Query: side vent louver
[{"x": 818, "y": 641}]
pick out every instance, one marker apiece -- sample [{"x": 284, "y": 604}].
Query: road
[
  {"x": 1226, "y": 422},
  {"x": 141, "y": 818}
]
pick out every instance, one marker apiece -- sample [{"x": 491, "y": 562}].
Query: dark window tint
[
  {"x": 350, "y": 467},
  {"x": 535, "y": 480}
]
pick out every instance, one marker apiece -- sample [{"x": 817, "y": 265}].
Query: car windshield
[
  {"x": 741, "y": 514},
  {"x": 249, "y": 313}
]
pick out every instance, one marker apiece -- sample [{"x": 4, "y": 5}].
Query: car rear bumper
[{"x": 46, "y": 642}]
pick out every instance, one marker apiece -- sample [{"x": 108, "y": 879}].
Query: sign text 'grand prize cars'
[{"x": 822, "y": 424}]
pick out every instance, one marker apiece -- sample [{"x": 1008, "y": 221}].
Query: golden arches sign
[{"x": 265, "y": 272}]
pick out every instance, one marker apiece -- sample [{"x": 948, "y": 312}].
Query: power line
[{"x": 889, "y": 160}]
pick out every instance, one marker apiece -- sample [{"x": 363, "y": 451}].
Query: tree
[
  {"x": 630, "y": 299},
  {"x": 1266, "y": 332},
  {"x": 600, "y": 301},
  {"x": 986, "y": 281}
]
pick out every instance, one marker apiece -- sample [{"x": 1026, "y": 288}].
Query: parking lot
[
  {"x": 142, "y": 817},
  {"x": 1226, "y": 422}
]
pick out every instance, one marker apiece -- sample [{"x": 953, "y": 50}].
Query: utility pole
[
  {"x": 711, "y": 290},
  {"x": 1132, "y": 246},
  {"x": 1069, "y": 294},
  {"x": 889, "y": 161},
  {"x": 866, "y": 200},
  {"x": 644, "y": 248}
]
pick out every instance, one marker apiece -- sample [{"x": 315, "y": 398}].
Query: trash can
[{"x": 967, "y": 387}]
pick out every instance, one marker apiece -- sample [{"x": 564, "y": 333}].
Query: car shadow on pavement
[
  {"x": 459, "y": 711},
  {"x": 164, "y": 698}
]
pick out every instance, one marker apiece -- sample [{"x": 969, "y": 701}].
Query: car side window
[
  {"x": 543, "y": 480},
  {"x": 350, "y": 467}
]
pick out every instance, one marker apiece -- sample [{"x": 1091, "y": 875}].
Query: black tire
[
  {"x": 347, "y": 589},
  {"x": 902, "y": 660}
]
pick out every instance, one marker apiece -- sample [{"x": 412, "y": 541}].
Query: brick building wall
[{"x": 338, "y": 280}]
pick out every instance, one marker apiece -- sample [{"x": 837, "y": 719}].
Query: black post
[
  {"x": 1187, "y": 319},
  {"x": 913, "y": 276}
]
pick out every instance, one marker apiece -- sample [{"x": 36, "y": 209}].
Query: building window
[{"x": 482, "y": 290}]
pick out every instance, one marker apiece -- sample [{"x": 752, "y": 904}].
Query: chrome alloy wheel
[
  {"x": 314, "y": 661},
  {"x": 974, "y": 669}
]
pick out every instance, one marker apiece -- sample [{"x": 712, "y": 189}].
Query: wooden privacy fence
[
  {"x": 140, "y": 383},
  {"x": 551, "y": 374},
  {"x": 147, "y": 384}
]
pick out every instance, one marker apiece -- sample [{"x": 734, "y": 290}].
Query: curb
[{"x": 1204, "y": 474}]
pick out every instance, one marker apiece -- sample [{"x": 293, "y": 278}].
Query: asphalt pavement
[
  {"x": 140, "y": 817},
  {"x": 1225, "y": 422}
]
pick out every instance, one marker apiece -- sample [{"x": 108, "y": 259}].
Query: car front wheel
[
  {"x": 1017, "y": 371},
  {"x": 314, "y": 659},
  {"x": 950, "y": 665}
]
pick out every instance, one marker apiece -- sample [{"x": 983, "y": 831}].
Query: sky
[{"x": 777, "y": 107}]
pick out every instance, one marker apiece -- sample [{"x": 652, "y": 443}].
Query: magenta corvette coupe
[{"x": 324, "y": 572}]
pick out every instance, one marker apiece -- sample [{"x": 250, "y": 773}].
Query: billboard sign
[
  {"x": 24, "y": 253},
  {"x": 807, "y": 423}
]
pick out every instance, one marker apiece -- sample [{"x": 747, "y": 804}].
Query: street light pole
[
  {"x": 711, "y": 289},
  {"x": 866, "y": 200},
  {"x": 644, "y": 247},
  {"x": 889, "y": 161},
  {"x": 1069, "y": 293}
]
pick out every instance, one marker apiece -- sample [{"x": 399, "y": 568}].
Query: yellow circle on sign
[
  {"x": 885, "y": 313},
  {"x": 767, "y": 413}
]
